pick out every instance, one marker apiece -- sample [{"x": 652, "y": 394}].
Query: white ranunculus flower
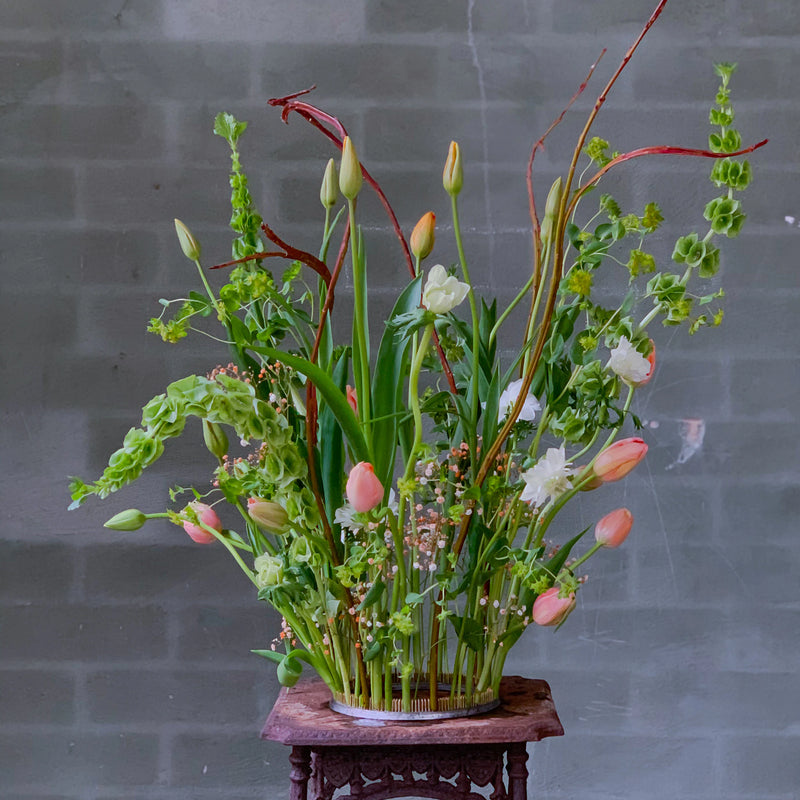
[
  {"x": 443, "y": 292},
  {"x": 628, "y": 363},
  {"x": 549, "y": 477},
  {"x": 509, "y": 397}
]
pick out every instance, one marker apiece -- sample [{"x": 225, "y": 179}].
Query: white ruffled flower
[
  {"x": 509, "y": 397},
  {"x": 443, "y": 292},
  {"x": 350, "y": 520},
  {"x": 345, "y": 516},
  {"x": 549, "y": 477},
  {"x": 628, "y": 363}
]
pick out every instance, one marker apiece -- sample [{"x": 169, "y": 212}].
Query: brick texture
[{"x": 125, "y": 664}]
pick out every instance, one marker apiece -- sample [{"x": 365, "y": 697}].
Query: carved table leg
[
  {"x": 517, "y": 771},
  {"x": 300, "y": 759}
]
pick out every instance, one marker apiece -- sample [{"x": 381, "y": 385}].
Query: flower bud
[
  {"x": 551, "y": 209},
  {"x": 423, "y": 236},
  {"x": 267, "y": 515},
  {"x": 329, "y": 191},
  {"x": 364, "y": 490},
  {"x": 130, "y": 520},
  {"x": 453, "y": 175},
  {"x": 617, "y": 461},
  {"x": 352, "y": 399},
  {"x": 550, "y": 609},
  {"x": 269, "y": 571},
  {"x": 189, "y": 245},
  {"x": 215, "y": 439},
  {"x": 350, "y": 177},
  {"x": 207, "y": 516},
  {"x": 613, "y": 529}
]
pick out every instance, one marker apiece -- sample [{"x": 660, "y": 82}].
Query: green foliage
[
  {"x": 725, "y": 216},
  {"x": 245, "y": 220}
]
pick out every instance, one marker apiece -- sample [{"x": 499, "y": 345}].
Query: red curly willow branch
[
  {"x": 319, "y": 119},
  {"x": 540, "y": 146},
  {"x": 657, "y": 150},
  {"x": 286, "y": 251}
]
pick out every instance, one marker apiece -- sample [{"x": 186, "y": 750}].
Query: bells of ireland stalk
[
  {"x": 550, "y": 609},
  {"x": 350, "y": 177},
  {"x": 207, "y": 516},
  {"x": 364, "y": 490},
  {"x": 616, "y": 461},
  {"x": 189, "y": 245},
  {"x": 453, "y": 174},
  {"x": 613, "y": 528},
  {"x": 423, "y": 236}
]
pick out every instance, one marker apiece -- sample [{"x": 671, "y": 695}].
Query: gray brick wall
[{"x": 125, "y": 671}]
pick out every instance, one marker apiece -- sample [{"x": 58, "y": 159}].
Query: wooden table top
[{"x": 301, "y": 717}]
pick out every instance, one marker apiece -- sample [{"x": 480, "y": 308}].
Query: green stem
[
  {"x": 476, "y": 334},
  {"x": 210, "y": 294},
  {"x": 502, "y": 318},
  {"x": 360, "y": 326}
]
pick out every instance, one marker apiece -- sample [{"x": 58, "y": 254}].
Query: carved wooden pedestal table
[{"x": 440, "y": 759}]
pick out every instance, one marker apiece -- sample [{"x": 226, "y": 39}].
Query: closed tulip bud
[
  {"x": 453, "y": 175},
  {"x": 267, "y": 515},
  {"x": 329, "y": 191},
  {"x": 215, "y": 439},
  {"x": 350, "y": 177},
  {"x": 613, "y": 529},
  {"x": 617, "y": 461},
  {"x": 130, "y": 520},
  {"x": 550, "y": 609},
  {"x": 352, "y": 399},
  {"x": 364, "y": 490},
  {"x": 423, "y": 236},
  {"x": 189, "y": 245},
  {"x": 551, "y": 209},
  {"x": 207, "y": 516}
]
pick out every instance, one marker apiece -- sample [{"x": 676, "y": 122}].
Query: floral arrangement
[{"x": 398, "y": 506}]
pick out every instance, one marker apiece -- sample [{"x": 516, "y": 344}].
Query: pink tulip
[
  {"x": 587, "y": 482},
  {"x": 207, "y": 516},
  {"x": 352, "y": 399},
  {"x": 550, "y": 609},
  {"x": 364, "y": 490},
  {"x": 614, "y": 528},
  {"x": 652, "y": 359},
  {"x": 617, "y": 461}
]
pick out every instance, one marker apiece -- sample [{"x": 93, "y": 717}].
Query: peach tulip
[
  {"x": 550, "y": 609},
  {"x": 364, "y": 490},
  {"x": 352, "y": 399},
  {"x": 652, "y": 360},
  {"x": 423, "y": 235},
  {"x": 617, "y": 461},
  {"x": 613, "y": 529},
  {"x": 207, "y": 516}
]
